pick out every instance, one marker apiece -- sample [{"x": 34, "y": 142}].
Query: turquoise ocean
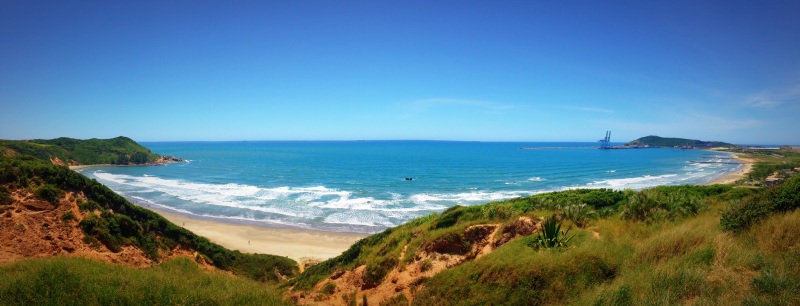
[{"x": 362, "y": 186}]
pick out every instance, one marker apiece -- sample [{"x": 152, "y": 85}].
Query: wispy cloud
[
  {"x": 774, "y": 98},
  {"x": 590, "y": 109},
  {"x": 721, "y": 123}
]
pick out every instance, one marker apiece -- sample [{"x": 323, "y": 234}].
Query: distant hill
[
  {"x": 68, "y": 151},
  {"x": 656, "y": 141}
]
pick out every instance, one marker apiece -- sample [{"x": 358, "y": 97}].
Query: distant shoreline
[{"x": 736, "y": 175}]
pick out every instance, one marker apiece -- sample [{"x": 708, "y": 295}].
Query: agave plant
[{"x": 551, "y": 235}]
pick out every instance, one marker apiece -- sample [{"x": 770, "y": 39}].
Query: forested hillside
[
  {"x": 656, "y": 141},
  {"x": 69, "y": 151}
]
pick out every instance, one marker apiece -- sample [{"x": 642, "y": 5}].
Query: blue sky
[{"x": 449, "y": 70}]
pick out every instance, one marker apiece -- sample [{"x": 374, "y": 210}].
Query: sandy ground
[
  {"x": 297, "y": 244},
  {"x": 747, "y": 165}
]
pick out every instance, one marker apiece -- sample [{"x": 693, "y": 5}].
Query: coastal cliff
[{"x": 76, "y": 152}]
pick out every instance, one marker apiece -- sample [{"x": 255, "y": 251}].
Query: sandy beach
[
  {"x": 732, "y": 177},
  {"x": 297, "y": 244}
]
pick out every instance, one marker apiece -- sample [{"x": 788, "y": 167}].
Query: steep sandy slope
[{"x": 31, "y": 227}]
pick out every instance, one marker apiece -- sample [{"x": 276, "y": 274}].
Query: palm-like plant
[{"x": 580, "y": 214}]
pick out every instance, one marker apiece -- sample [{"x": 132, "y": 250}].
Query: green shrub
[
  {"x": 67, "y": 216},
  {"x": 89, "y": 205},
  {"x": 580, "y": 214},
  {"x": 641, "y": 206},
  {"x": 48, "y": 193},
  {"x": 377, "y": 270},
  {"x": 328, "y": 289},
  {"x": 600, "y": 198},
  {"x": 5, "y": 196},
  {"x": 741, "y": 214}
]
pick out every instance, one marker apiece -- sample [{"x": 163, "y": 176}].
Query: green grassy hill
[
  {"x": 714, "y": 245},
  {"x": 117, "y": 151},
  {"x": 656, "y": 141}
]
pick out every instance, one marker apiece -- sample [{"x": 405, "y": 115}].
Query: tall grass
[{"x": 78, "y": 281}]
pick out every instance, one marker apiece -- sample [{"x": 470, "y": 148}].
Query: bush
[
  {"x": 89, "y": 205},
  {"x": 67, "y": 216},
  {"x": 666, "y": 203},
  {"x": 641, "y": 206},
  {"x": 602, "y": 198},
  {"x": 376, "y": 271},
  {"x": 5, "y": 196},
  {"x": 580, "y": 214},
  {"x": 741, "y": 214},
  {"x": 329, "y": 288},
  {"x": 48, "y": 193}
]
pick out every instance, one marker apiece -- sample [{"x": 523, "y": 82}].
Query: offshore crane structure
[{"x": 605, "y": 143}]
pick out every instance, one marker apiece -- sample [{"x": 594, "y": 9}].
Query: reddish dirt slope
[{"x": 30, "y": 227}]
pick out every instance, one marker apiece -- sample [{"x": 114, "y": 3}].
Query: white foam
[
  {"x": 464, "y": 197},
  {"x": 640, "y": 182},
  {"x": 351, "y": 218},
  {"x": 536, "y": 179}
]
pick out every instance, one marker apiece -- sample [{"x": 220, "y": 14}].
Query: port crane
[{"x": 605, "y": 143}]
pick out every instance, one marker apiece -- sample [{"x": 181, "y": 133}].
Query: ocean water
[{"x": 361, "y": 186}]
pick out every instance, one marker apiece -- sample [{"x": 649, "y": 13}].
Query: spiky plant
[{"x": 551, "y": 235}]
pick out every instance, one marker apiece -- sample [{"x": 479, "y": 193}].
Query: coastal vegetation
[
  {"x": 78, "y": 281},
  {"x": 771, "y": 162},
  {"x": 666, "y": 245},
  {"x": 110, "y": 220},
  {"x": 716, "y": 244},
  {"x": 69, "y": 151}
]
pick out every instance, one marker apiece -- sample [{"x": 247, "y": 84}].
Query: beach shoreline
[
  {"x": 298, "y": 244},
  {"x": 301, "y": 245},
  {"x": 736, "y": 175},
  {"x": 304, "y": 245}
]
